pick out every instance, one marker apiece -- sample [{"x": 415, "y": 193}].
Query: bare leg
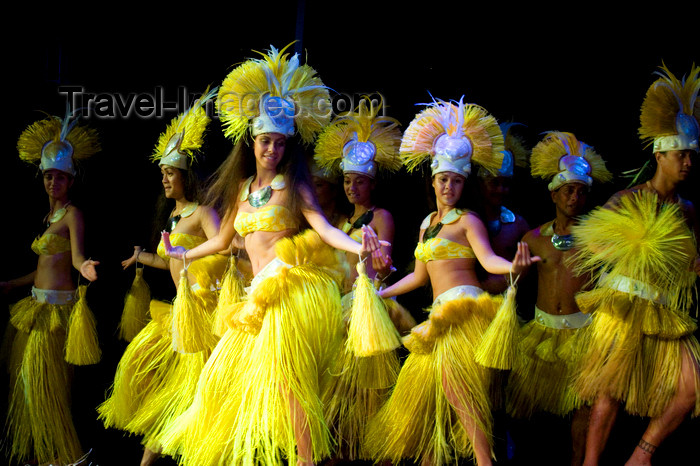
[
  {"x": 579, "y": 426},
  {"x": 149, "y": 457},
  {"x": 467, "y": 417},
  {"x": 678, "y": 408},
  {"x": 301, "y": 431},
  {"x": 600, "y": 424}
]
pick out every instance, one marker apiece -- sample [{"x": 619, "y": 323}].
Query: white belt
[
  {"x": 560, "y": 322},
  {"x": 461, "y": 291},
  {"x": 53, "y": 296},
  {"x": 633, "y": 287}
]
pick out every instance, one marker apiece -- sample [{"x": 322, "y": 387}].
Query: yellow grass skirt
[
  {"x": 267, "y": 373},
  {"x": 39, "y": 422},
  {"x": 153, "y": 383},
  {"x": 541, "y": 376},
  {"x": 359, "y": 387},
  {"x": 418, "y": 421},
  {"x": 632, "y": 351}
]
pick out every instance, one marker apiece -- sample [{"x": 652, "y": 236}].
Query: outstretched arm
[
  {"x": 76, "y": 228},
  {"x": 478, "y": 238},
  {"x": 410, "y": 282}
]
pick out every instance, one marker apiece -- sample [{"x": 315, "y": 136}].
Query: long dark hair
[{"x": 223, "y": 186}]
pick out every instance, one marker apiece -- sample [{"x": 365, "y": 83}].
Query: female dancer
[
  {"x": 258, "y": 398},
  {"x": 441, "y": 379},
  {"x": 156, "y": 377},
  {"x": 54, "y": 322},
  {"x": 359, "y": 145}
]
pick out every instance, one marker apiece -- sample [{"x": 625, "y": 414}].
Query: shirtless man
[
  {"x": 539, "y": 381},
  {"x": 663, "y": 114},
  {"x": 505, "y": 227}
]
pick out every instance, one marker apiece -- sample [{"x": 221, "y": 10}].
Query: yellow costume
[
  {"x": 642, "y": 253},
  {"x": 279, "y": 347},
  {"x": 441, "y": 379},
  {"x": 541, "y": 375},
  {"x": 154, "y": 383},
  {"x": 265, "y": 376},
  {"x": 361, "y": 142},
  {"x": 51, "y": 330},
  {"x": 157, "y": 375}
]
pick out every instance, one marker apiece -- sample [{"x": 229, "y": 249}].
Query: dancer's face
[
  {"x": 495, "y": 189},
  {"x": 570, "y": 199},
  {"x": 57, "y": 183},
  {"x": 358, "y": 188},
  {"x": 448, "y": 188},
  {"x": 675, "y": 165},
  {"x": 173, "y": 183},
  {"x": 269, "y": 150}
]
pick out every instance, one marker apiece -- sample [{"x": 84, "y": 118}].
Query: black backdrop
[{"x": 585, "y": 73}]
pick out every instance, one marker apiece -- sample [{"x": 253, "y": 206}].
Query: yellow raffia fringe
[
  {"x": 545, "y": 156},
  {"x": 366, "y": 125},
  {"x": 640, "y": 239},
  {"x": 278, "y": 75},
  {"x": 371, "y": 331},
  {"x": 498, "y": 347},
  {"x": 232, "y": 291},
  {"x": 84, "y": 140},
  {"x": 441, "y": 117},
  {"x": 136, "y": 304},
  {"x": 665, "y": 99},
  {"x": 39, "y": 422},
  {"x": 82, "y": 345},
  {"x": 191, "y": 326}
]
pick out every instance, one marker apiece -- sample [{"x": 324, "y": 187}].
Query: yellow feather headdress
[
  {"x": 56, "y": 143},
  {"x": 273, "y": 94},
  {"x": 452, "y": 135},
  {"x": 562, "y": 158},
  {"x": 669, "y": 114},
  {"x": 360, "y": 142},
  {"x": 178, "y": 144}
]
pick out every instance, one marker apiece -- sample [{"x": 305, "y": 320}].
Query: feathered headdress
[
  {"x": 56, "y": 143},
  {"x": 183, "y": 137},
  {"x": 452, "y": 135},
  {"x": 515, "y": 154},
  {"x": 562, "y": 158},
  {"x": 360, "y": 142},
  {"x": 670, "y": 112},
  {"x": 273, "y": 94}
]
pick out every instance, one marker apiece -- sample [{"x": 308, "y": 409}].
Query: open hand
[
  {"x": 523, "y": 260},
  {"x": 133, "y": 259},
  {"x": 88, "y": 270}
]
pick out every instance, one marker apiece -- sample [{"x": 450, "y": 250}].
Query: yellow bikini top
[
  {"x": 364, "y": 219},
  {"x": 356, "y": 234},
  {"x": 180, "y": 239},
  {"x": 50, "y": 243},
  {"x": 270, "y": 217},
  {"x": 442, "y": 248}
]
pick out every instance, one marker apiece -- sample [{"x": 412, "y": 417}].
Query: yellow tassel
[
  {"x": 136, "y": 304},
  {"x": 497, "y": 348},
  {"x": 82, "y": 346},
  {"x": 191, "y": 330},
  {"x": 232, "y": 291},
  {"x": 371, "y": 331}
]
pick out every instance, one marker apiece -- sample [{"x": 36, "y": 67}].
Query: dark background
[{"x": 584, "y": 72}]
